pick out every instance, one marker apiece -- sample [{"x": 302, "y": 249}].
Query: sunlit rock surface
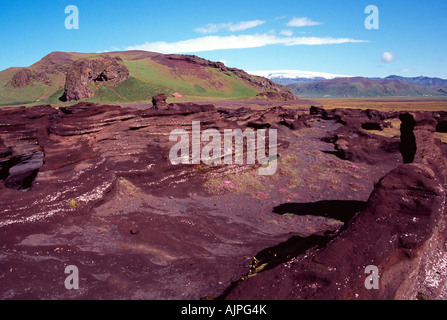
[{"x": 93, "y": 186}]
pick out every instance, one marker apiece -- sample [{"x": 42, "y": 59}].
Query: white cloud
[
  {"x": 302, "y": 22},
  {"x": 288, "y": 33},
  {"x": 316, "y": 41},
  {"x": 387, "y": 57},
  {"x": 243, "y": 25},
  {"x": 207, "y": 43},
  {"x": 209, "y": 28},
  {"x": 210, "y": 43}
]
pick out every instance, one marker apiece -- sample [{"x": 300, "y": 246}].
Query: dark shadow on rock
[
  {"x": 335, "y": 209},
  {"x": 63, "y": 97},
  {"x": 283, "y": 252},
  {"x": 338, "y": 153},
  {"x": 407, "y": 144},
  {"x": 19, "y": 172},
  {"x": 258, "y": 125},
  {"x": 442, "y": 127},
  {"x": 372, "y": 126},
  {"x": 271, "y": 257}
]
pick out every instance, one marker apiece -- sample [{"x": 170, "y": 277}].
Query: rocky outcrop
[
  {"x": 159, "y": 101},
  {"x": 21, "y": 155},
  {"x": 277, "y": 95},
  {"x": 401, "y": 233},
  {"x": 26, "y": 77},
  {"x": 99, "y": 200},
  {"x": 93, "y": 186},
  {"x": 86, "y": 74},
  {"x": 55, "y": 63},
  {"x": 355, "y": 139}
]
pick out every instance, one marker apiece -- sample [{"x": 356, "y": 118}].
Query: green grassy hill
[{"x": 149, "y": 74}]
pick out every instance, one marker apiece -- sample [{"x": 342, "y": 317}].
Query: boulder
[
  {"x": 85, "y": 74},
  {"x": 159, "y": 101}
]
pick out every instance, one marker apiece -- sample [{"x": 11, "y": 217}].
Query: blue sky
[{"x": 313, "y": 35}]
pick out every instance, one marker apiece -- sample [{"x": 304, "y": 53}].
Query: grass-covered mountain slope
[{"x": 130, "y": 76}]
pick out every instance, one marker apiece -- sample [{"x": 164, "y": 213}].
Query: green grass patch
[
  {"x": 197, "y": 82},
  {"x": 14, "y": 96}
]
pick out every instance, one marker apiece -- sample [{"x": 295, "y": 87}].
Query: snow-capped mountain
[
  {"x": 292, "y": 74},
  {"x": 286, "y": 77}
]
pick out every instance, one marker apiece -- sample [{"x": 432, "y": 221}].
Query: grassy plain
[{"x": 387, "y": 104}]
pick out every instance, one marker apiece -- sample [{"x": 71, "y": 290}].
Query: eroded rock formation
[
  {"x": 92, "y": 185},
  {"x": 26, "y": 77},
  {"x": 85, "y": 74},
  {"x": 401, "y": 232},
  {"x": 159, "y": 101}
]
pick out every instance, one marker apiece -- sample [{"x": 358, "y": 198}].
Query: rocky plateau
[{"x": 92, "y": 186}]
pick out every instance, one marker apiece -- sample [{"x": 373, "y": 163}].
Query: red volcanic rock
[
  {"x": 22, "y": 78},
  {"x": 85, "y": 73},
  {"x": 159, "y": 101},
  {"x": 106, "y": 172},
  {"x": 53, "y": 63},
  {"x": 98, "y": 191},
  {"x": 401, "y": 233},
  {"x": 26, "y": 77},
  {"x": 353, "y": 141},
  {"x": 282, "y": 95},
  {"x": 4, "y": 151}
]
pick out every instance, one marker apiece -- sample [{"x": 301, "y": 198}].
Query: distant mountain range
[
  {"x": 314, "y": 84},
  {"x": 423, "y": 81}
]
